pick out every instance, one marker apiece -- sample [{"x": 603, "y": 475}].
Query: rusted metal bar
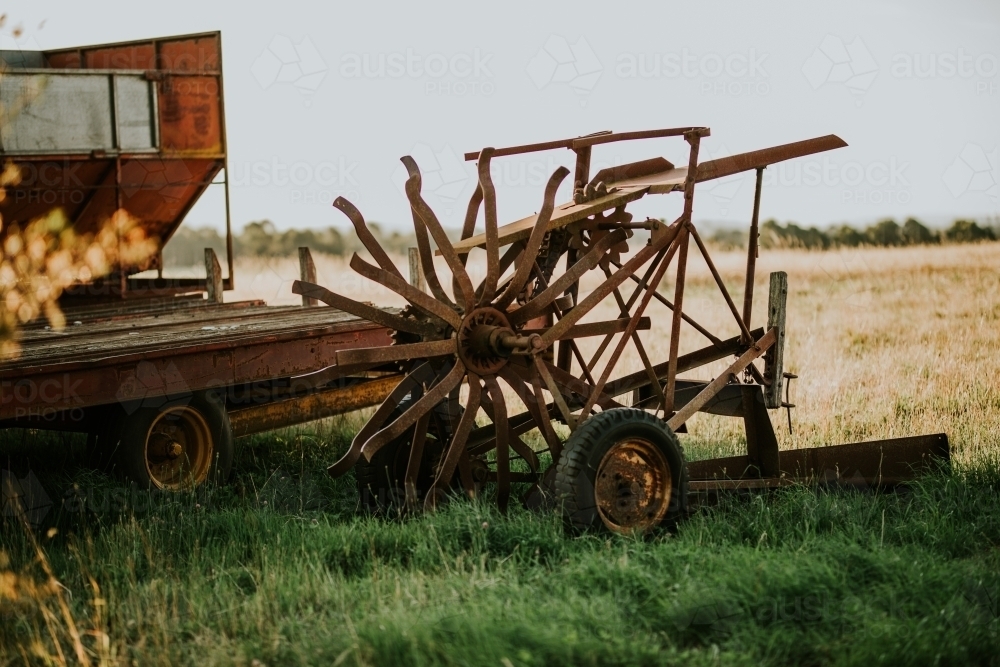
[
  {"x": 458, "y": 441},
  {"x": 414, "y": 460},
  {"x": 365, "y": 236},
  {"x": 675, "y": 324},
  {"x": 633, "y": 322},
  {"x": 361, "y": 310},
  {"x": 444, "y": 244},
  {"x": 503, "y": 441},
  {"x": 666, "y": 302},
  {"x": 874, "y": 463},
  {"x": 422, "y": 406},
  {"x": 534, "y": 243},
  {"x": 599, "y": 294},
  {"x": 424, "y": 302},
  {"x": 556, "y": 392},
  {"x": 307, "y": 274},
  {"x": 752, "y": 250},
  {"x": 533, "y": 399},
  {"x": 685, "y": 362},
  {"x": 581, "y": 173},
  {"x": 319, "y": 405},
  {"x": 541, "y": 301},
  {"x": 650, "y": 373},
  {"x": 720, "y": 283},
  {"x": 596, "y": 328},
  {"x": 724, "y": 378},
  {"x": 378, "y": 355}
]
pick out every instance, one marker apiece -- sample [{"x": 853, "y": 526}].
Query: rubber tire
[
  {"x": 129, "y": 439},
  {"x": 380, "y": 485},
  {"x": 576, "y": 471}
]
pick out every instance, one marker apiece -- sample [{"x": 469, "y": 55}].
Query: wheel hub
[
  {"x": 486, "y": 340},
  {"x": 633, "y": 486}
]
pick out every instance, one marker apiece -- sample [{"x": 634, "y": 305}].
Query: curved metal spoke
[
  {"x": 538, "y": 232},
  {"x": 492, "y": 236},
  {"x": 468, "y": 229},
  {"x": 516, "y": 425},
  {"x": 457, "y": 444},
  {"x": 535, "y": 402},
  {"x": 366, "y": 355},
  {"x": 422, "y": 407},
  {"x": 391, "y": 402},
  {"x": 537, "y": 305},
  {"x": 413, "y": 463},
  {"x": 365, "y": 235},
  {"x": 503, "y": 445},
  {"x": 447, "y": 250},
  {"x": 424, "y": 302},
  {"x": 427, "y": 260},
  {"x": 362, "y": 310}
]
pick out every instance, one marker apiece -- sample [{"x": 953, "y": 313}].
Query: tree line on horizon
[
  {"x": 263, "y": 239},
  {"x": 884, "y": 234}
]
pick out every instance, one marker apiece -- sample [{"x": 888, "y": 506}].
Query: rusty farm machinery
[{"x": 463, "y": 353}]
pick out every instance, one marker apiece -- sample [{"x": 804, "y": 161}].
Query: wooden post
[
  {"x": 213, "y": 277},
  {"x": 416, "y": 274},
  {"x": 774, "y": 359},
  {"x": 307, "y": 274}
]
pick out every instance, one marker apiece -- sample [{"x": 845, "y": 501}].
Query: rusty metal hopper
[{"x": 135, "y": 125}]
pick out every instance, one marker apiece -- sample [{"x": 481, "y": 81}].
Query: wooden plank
[
  {"x": 214, "y": 276},
  {"x": 307, "y": 274},
  {"x": 155, "y": 342},
  {"x": 116, "y": 326},
  {"x": 775, "y": 358},
  {"x": 83, "y": 335},
  {"x": 128, "y": 378}
]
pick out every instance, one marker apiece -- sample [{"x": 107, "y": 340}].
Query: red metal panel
[
  {"x": 63, "y": 59},
  {"x": 129, "y": 56},
  {"x": 190, "y": 115},
  {"x": 195, "y": 54}
]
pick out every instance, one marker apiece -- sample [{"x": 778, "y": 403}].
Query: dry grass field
[{"x": 280, "y": 568}]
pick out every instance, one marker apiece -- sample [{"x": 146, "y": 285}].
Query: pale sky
[{"x": 323, "y": 98}]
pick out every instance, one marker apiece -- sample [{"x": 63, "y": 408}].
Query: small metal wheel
[
  {"x": 179, "y": 445},
  {"x": 623, "y": 470}
]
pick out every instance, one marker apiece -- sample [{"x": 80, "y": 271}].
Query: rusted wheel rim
[
  {"x": 633, "y": 486},
  {"x": 178, "y": 448}
]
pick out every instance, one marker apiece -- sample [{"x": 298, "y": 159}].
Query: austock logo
[
  {"x": 444, "y": 176},
  {"x": 734, "y": 74},
  {"x": 284, "y": 62},
  {"x": 455, "y": 74},
  {"x": 974, "y": 170},
  {"x": 559, "y": 62},
  {"x": 834, "y": 62},
  {"x": 23, "y": 498},
  {"x": 50, "y": 399}
]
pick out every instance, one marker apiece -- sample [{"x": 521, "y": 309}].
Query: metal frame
[{"x": 506, "y": 328}]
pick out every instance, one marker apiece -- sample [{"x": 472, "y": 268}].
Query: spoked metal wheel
[
  {"x": 501, "y": 335},
  {"x": 475, "y": 339}
]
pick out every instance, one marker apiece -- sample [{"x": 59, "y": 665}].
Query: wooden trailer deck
[{"x": 137, "y": 351}]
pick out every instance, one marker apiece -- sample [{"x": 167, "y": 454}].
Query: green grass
[{"x": 280, "y": 569}]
